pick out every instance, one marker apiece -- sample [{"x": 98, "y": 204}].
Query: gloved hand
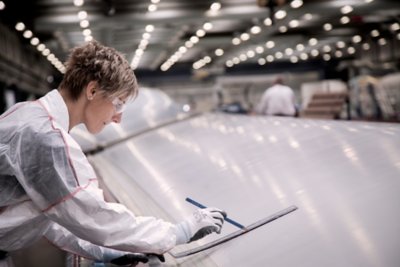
[
  {"x": 131, "y": 259},
  {"x": 202, "y": 222}
]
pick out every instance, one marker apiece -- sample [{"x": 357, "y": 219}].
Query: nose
[{"x": 117, "y": 118}]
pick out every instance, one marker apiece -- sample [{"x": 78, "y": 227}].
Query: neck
[{"x": 75, "y": 109}]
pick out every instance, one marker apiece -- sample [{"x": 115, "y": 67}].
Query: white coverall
[
  {"x": 277, "y": 100},
  {"x": 48, "y": 188}
]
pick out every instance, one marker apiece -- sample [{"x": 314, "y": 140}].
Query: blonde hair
[{"x": 104, "y": 65}]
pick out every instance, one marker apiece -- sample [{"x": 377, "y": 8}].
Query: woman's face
[{"x": 100, "y": 111}]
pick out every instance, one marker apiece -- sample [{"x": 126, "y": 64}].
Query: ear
[{"x": 91, "y": 90}]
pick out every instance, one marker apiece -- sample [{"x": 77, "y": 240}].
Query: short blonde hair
[{"x": 104, "y": 65}]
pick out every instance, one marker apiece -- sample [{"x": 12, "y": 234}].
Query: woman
[{"x": 47, "y": 186}]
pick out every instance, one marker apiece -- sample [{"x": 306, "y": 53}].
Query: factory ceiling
[{"x": 160, "y": 35}]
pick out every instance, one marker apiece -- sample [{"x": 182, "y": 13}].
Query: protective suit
[
  {"x": 48, "y": 188},
  {"x": 277, "y": 100}
]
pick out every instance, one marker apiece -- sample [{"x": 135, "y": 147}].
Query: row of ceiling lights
[
  {"x": 254, "y": 30},
  {"x": 338, "y": 51},
  {"x": 145, "y": 37},
  {"x": 83, "y": 21},
  {"x": 34, "y": 41},
  {"x": 200, "y": 33},
  {"x": 279, "y": 15},
  {"x": 293, "y": 24}
]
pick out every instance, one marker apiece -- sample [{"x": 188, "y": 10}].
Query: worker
[
  {"x": 277, "y": 100},
  {"x": 49, "y": 189}
]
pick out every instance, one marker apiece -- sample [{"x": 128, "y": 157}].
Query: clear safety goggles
[{"x": 119, "y": 105}]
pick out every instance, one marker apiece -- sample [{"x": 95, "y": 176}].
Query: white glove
[{"x": 201, "y": 223}]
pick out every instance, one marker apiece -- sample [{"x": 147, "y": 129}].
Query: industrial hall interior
[{"x": 199, "y": 133}]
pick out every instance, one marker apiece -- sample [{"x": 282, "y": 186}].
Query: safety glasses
[{"x": 119, "y": 105}]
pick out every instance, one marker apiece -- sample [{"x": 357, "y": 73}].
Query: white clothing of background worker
[
  {"x": 278, "y": 100},
  {"x": 49, "y": 189}
]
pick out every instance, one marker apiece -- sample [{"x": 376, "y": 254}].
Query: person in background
[
  {"x": 49, "y": 189},
  {"x": 278, "y": 100}
]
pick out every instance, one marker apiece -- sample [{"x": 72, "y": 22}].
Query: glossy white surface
[{"x": 343, "y": 176}]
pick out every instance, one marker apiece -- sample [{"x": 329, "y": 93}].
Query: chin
[{"x": 95, "y": 130}]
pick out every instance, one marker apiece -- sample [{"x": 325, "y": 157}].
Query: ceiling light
[
  {"x": 250, "y": 54},
  {"x": 374, "y": 33},
  {"x": 299, "y": 47},
  {"x": 327, "y": 48},
  {"x": 50, "y": 57},
  {"x": 346, "y": 9},
  {"x": 182, "y": 49},
  {"x": 395, "y": 26},
  {"x": 356, "y": 39},
  {"x": 296, "y": 3},
  {"x": 259, "y": 49},
  {"x": 327, "y": 26},
  {"x": 245, "y": 36},
  {"x": 267, "y": 22},
  {"x": 308, "y": 16},
  {"x": 2, "y": 5},
  {"x": 34, "y": 41},
  {"x": 87, "y": 32},
  {"x": 283, "y": 29},
  {"x": 280, "y": 14},
  {"x": 20, "y": 26},
  {"x": 152, "y": 8},
  {"x": 46, "y": 52},
  {"x": 200, "y": 33},
  {"x": 326, "y": 57},
  {"x": 27, "y": 34},
  {"x": 146, "y": 36},
  {"x": 382, "y": 41},
  {"x": 304, "y": 56},
  {"x": 262, "y": 61},
  {"x": 313, "y": 41},
  {"x": 338, "y": 53},
  {"x": 314, "y": 52},
  {"x": 294, "y": 23},
  {"x": 270, "y": 44},
  {"x": 236, "y": 41},
  {"x": 278, "y": 55},
  {"x": 82, "y": 14},
  {"x": 194, "y": 39},
  {"x": 366, "y": 46},
  {"x": 41, "y": 47},
  {"x": 344, "y": 20},
  {"x": 219, "y": 52},
  {"x": 215, "y": 6},
  {"x": 289, "y": 51},
  {"x": 294, "y": 59},
  {"x": 188, "y": 44},
  {"x": 351, "y": 50},
  {"x": 270, "y": 58},
  {"x": 340, "y": 44},
  {"x": 84, "y": 23},
  {"x": 78, "y": 2},
  {"x": 255, "y": 29},
  {"x": 149, "y": 28},
  {"x": 207, "y": 26}
]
